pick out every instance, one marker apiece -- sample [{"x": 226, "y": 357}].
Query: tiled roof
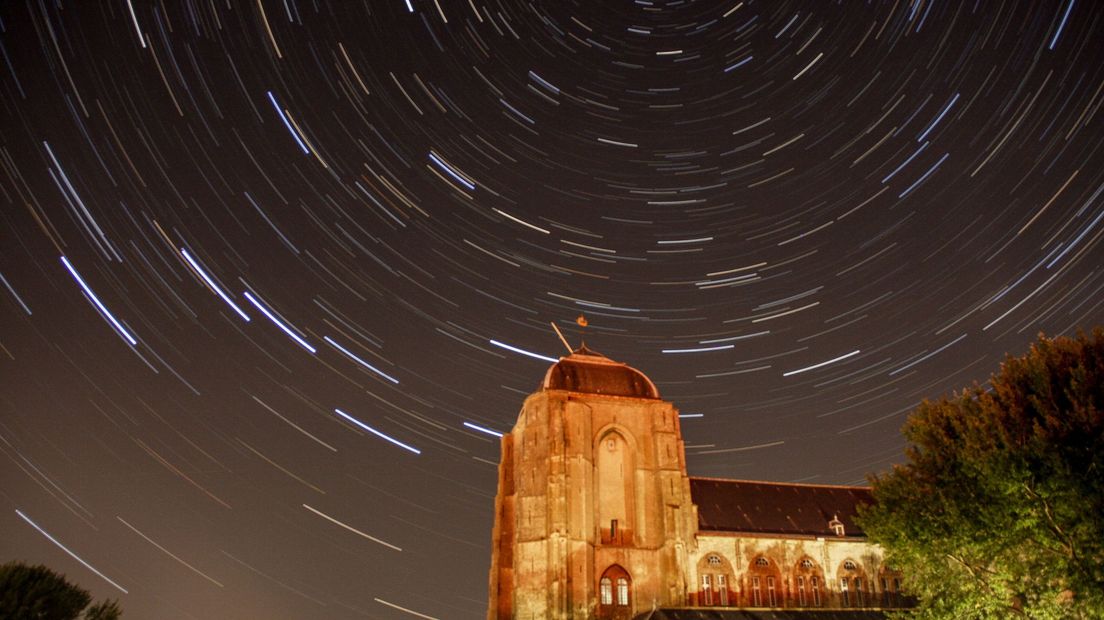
[{"x": 775, "y": 507}]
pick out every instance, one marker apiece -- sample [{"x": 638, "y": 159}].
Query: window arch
[{"x": 615, "y": 593}]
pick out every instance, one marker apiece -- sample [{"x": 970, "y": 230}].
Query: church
[{"x": 596, "y": 517}]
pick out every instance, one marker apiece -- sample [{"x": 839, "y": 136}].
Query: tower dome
[{"x": 590, "y": 372}]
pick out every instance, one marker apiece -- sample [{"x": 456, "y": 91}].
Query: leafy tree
[
  {"x": 38, "y": 593},
  {"x": 104, "y": 610},
  {"x": 999, "y": 510}
]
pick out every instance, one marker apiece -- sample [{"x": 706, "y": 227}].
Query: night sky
[{"x": 272, "y": 270}]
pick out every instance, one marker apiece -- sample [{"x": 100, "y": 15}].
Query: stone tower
[{"x": 593, "y": 516}]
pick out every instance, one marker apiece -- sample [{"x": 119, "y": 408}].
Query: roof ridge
[{"x": 788, "y": 484}]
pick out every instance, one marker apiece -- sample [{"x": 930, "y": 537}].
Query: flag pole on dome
[{"x": 562, "y": 339}]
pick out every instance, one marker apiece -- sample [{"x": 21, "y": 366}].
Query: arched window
[
  {"x": 614, "y": 593},
  {"x": 764, "y": 582},
  {"x": 715, "y": 574},
  {"x": 808, "y": 579},
  {"x": 891, "y": 587},
  {"x": 851, "y": 582}
]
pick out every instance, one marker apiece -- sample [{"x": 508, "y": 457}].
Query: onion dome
[{"x": 590, "y": 372}]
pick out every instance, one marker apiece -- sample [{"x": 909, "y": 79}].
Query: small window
[
  {"x": 814, "y": 585},
  {"x": 807, "y": 564},
  {"x": 756, "y": 596},
  {"x": 722, "y": 589},
  {"x": 707, "y": 589},
  {"x": 613, "y": 529},
  {"x": 606, "y": 591},
  {"x": 714, "y": 560},
  {"x": 801, "y": 590},
  {"x": 849, "y": 565},
  {"x": 844, "y": 593},
  {"x": 771, "y": 600},
  {"x": 858, "y": 592},
  {"x": 762, "y": 561}
]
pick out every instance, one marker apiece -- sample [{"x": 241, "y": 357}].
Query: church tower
[{"x": 593, "y": 516}]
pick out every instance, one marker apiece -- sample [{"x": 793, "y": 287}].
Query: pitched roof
[{"x": 776, "y": 507}]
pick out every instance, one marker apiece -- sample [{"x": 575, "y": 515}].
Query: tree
[
  {"x": 998, "y": 511},
  {"x": 38, "y": 593}
]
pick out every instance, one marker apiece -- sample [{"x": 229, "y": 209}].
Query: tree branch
[
  {"x": 984, "y": 583},
  {"x": 1065, "y": 539}
]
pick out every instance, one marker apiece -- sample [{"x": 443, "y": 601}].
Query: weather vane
[{"x": 581, "y": 321}]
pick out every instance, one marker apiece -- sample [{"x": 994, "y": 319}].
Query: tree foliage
[
  {"x": 38, "y": 593},
  {"x": 999, "y": 510}
]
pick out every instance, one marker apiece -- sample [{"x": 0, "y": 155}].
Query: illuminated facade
[{"x": 596, "y": 517}]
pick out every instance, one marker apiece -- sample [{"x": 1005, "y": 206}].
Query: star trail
[{"x": 278, "y": 273}]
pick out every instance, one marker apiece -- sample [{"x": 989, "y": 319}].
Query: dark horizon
[{"x": 270, "y": 271}]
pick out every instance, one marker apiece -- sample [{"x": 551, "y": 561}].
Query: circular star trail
[{"x": 275, "y": 273}]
